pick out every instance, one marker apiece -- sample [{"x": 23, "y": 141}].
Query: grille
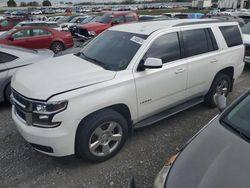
[
  {"x": 21, "y": 100},
  {"x": 20, "y": 113},
  {"x": 247, "y": 50},
  {"x": 83, "y": 32},
  {"x": 23, "y": 107}
]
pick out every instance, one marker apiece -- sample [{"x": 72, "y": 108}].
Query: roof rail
[{"x": 203, "y": 22}]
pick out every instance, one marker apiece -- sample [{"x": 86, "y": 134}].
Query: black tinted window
[
  {"x": 4, "y": 57},
  {"x": 231, "y": 35},
  {"x": 212, "y": 44},
  {"x": 129, "y": 17},
  {"x": 165, "y": 47},
  {"x": 119, "y": 19},
  {"x": 195, "y": 42}
]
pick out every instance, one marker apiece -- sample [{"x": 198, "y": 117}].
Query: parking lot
[{"x": 142, "y": 157}]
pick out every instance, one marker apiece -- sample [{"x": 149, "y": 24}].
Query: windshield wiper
[
  {"x": 95, "y": 61},
  {"x": 240, "y": 132}
]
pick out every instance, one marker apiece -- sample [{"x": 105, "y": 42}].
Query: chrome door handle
[
  {"x": 213, "y": 61},
  {"x": 180, "y": 70}
]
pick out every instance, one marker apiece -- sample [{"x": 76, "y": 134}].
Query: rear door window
[
  {"x": 231, "y": 35},
  {"x": 130, "y": 17},
  {"x": 40, "y": 32},
  {"x": 195, "y": 42},
  {"x": 166, "y": 48},
  {"x": 119, "y": 19},
  {"x": 5, "y": 58}
]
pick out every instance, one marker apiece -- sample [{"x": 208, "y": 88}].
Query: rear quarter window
[
  {"x": 231, "y": 35},
  {"x": 5, "y": 58}
]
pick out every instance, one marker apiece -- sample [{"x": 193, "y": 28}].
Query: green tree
[
  {"x": 11, "y": 3},
  {"x": 33, "y": 4},
  {"x": 46, "y": 3},
  {"x": 23, "y": 4}
]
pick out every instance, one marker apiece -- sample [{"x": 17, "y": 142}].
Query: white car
[
  {"x": 14, "y": 58},
  {"x": 130, "y": 76},
  {"x": 36, "y": 12},
  {"x": 246, "y": 38}
]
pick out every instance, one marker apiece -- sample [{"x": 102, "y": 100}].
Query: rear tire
[
  {"x": 222, "y": 81},
  {"x": 101, "y": 135},
  {"x": 7, "y": 93},
  {"x": 57, "y": 47}
]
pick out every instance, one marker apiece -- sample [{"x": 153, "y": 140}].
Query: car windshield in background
[
  {"x": 239, "y": 117},
  {"x": 5, "y": 34},
  {"x": 88, "y": 19},
  {"x": 106, "y": 18},
  {"x": 74, "y": 20},
  {"x": 246, "y": 28},
  {"x": 122, "y": 45}
]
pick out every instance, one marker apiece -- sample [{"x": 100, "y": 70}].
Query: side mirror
[
  {"x": 220, "y": 99},
  {"x": 153, "y": 63},
  {"x": 10, "y": 38}
]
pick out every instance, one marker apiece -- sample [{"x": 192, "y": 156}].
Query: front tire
[
  {"x": 220, "y": 81},
  {"x": 101, "y": 135}
]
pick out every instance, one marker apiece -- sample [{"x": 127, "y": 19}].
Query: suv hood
[
  {"x": 216, "y": 158},
  {"x": 56, "y": 75},
  {"x": 94, "y": 26}
]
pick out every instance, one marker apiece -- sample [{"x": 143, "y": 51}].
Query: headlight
[
  {"x": 50, "y": 107},
  {"x": 162, "y": 175},
  {"x": 92, "y": 33},
  {"x": 43, "y": 113}
]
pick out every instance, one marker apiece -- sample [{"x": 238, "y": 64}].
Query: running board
[{"x": 169, "y": 112}]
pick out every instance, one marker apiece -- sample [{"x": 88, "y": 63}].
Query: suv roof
[{"x": 146, "y": 28}]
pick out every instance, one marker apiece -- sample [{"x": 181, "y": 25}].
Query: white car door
[
  {"x": 160, "y": 88},
  {"x": 202, "y": 56}
]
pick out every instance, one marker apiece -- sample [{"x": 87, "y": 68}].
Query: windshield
[
  {"x": 5, "y": 34},
  {"x": 87, "y": 20},
  {"x": 246, "y": 28},
  {"x": 113, "y": 50},
  {"x": 106, "y": 18},
  {"x": 74, "y": 20},
  {"x": 239, "y": 117}
]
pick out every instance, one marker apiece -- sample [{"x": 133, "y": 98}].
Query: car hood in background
[
  {"x": 216, "y": 158},
  {"x": 94, "y": 26},
  {"x": 52, "y": 76}
]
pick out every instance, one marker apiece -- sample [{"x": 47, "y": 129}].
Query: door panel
[
  {"x": 41, "y": 38},
  {"x": 21, "y": 38},
  {"x": 158, "y": 89},
  {"x": 201, "y": 51}
]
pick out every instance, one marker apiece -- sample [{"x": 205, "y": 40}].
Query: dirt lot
[{"x": 142, "y": 157}]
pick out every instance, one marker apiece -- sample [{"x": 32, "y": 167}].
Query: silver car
[{"x": 14, "y": 58}]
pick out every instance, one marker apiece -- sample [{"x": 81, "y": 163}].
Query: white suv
[{"x": 128, "y": 77}]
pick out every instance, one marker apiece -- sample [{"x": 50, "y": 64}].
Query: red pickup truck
[
  {"x": 104, "y": 22},
  {"x": 9, "y": 23}
]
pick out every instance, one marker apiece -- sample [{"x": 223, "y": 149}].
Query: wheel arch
[
  {"x": 121, "y": 108},
  {"x": 230, "y": 72}
]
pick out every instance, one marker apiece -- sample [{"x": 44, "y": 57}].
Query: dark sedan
[{"x": 217, "y": 157}]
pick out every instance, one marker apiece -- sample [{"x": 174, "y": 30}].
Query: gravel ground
[{"x": 142, "y": 156}]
